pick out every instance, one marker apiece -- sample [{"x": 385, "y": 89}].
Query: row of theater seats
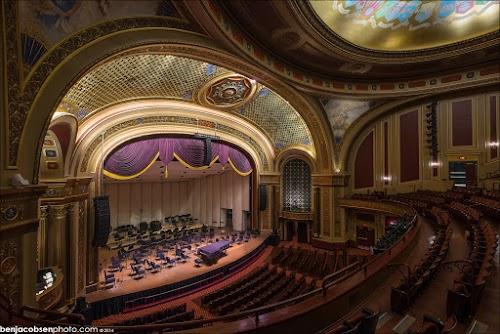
[
  {"x": 260, "y": 287},
  {"x": 315, "y": 263},
  {"x": 467, "y": 289},
  {"x": 419, "y": 278},
  {"x": 173, "y": 314},
  {"x": 433, "y": 325},
  {"x": 363, "y": 322},
  {"x": 392, "y": 234},
  {"x": 489, "y": 206},
  {"x": 464, "y": 211}
]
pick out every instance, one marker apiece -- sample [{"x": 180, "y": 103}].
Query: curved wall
[{"x": 467, "y": 130}]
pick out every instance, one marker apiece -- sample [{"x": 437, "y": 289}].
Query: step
[{"x": 404, "y": 324}]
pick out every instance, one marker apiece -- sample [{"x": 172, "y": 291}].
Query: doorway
[
  {"x": 290, "y": 230},
  {"x": 302, "y": 232},
  {"x": 463, "y": 173},
  {"x": 365, "y": 236}
]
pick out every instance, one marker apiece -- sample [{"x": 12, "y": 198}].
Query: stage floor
[{"x": 181, "y": 271}]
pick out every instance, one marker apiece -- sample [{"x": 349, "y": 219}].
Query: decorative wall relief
[{"x": 10, "y": 282}]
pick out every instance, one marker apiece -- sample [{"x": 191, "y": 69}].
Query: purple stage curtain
[
  {"x": 240, "y": 161},
  {"x": 226, "y": 153},
  {"x": 132, "y": 158},
  {"x": 135, "y": 157},
  {"x": 167, "y": 149},
  {"x": 192, "y": 151}
]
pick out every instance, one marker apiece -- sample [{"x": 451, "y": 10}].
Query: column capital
[{"x": 270, "y": 178}]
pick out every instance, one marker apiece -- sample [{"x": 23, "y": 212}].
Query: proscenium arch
[
  {"x": 175, "y": 42},
  {"x": 110, "y": 117}
]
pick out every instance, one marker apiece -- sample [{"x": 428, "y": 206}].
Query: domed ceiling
[
  {"x": 150, "y": 75},
  {"x": 376, "y": 41},
  {"x": 391, "y": 25}
]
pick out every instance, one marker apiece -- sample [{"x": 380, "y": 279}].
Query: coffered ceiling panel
[{"x": 141, "y": 76}]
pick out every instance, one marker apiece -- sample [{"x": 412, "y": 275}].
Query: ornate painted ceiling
[
  {"x": 141, "y": 76},
  {"x": 391, "y": 25},
  {"x": 375, "y": 41}
]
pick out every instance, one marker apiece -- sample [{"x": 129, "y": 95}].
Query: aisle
[{"x": 491, "y": 294}]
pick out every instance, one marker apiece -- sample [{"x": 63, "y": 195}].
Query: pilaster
[{"x": 18, "y": 243}]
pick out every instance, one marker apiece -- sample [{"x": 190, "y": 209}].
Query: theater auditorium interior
[{"x": 238, "y": 166}]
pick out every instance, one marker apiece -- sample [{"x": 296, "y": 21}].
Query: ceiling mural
[
  {"x": 46, "y": 22},
  {"x": 140, "y": 76},
  {"x": 392, "y": 25},
  {"x": 342, "y": 113}
]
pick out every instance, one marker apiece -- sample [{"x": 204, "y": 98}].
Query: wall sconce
[
  {"x": 337, "y": 170},
  {"x": 493, "y": 144},
  {"x": 386, "y": 178},
  {"x": 434, "y": 164}
]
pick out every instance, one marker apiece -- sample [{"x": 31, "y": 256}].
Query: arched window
[{"x": 297, "y": 186}]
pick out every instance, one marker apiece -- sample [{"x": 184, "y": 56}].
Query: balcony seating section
[
  {"x": 487, "y": 205},
  {"x": 420, "y": 276},
  {"x": 465, "y": 212},
  {"x": 263, "y": 286},
  {"x": 314, "y": 263},
  {"x": 363, "y": 322},
  {"x": 467, "y": 289},
  {"x": 393, "y": 234}
]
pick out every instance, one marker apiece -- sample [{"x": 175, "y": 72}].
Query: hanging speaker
[
  {"x": 102, "y": 221},
  {"x": 262, "y": 197},
  {"x": 208, "y": 152}
]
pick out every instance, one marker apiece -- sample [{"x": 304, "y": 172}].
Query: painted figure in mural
[{"x": 413, "y": 14}]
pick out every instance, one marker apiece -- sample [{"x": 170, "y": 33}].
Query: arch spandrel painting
[
  {"x": 392, "y": 25},
  {"x": 342, "y": 113},
  {"x": 44, "y": 23}
]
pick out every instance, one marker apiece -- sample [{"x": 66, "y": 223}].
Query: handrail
[
  {"x": 267, "y": 308},
  {"x": 328, "y": 277},
  {"x": 168, "y": 293}
]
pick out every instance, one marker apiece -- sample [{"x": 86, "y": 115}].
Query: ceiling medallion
[{"x": 227, "y": 91}]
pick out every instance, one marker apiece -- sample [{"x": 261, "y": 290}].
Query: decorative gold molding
[
  {"x": 19, "y": 206},
  {"x": 10, "y": 271},
  {"x": 298, "y": 216}
]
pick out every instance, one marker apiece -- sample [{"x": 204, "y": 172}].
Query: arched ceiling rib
[{"x": 140, "y": 76}]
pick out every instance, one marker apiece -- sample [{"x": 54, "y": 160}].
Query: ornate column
[
  {"x": 71, "y": 246},
  {"x": 329, "y": 220},
  {"x": 82, "y": 244},
  {"x": 268, "y": 219},
  {"x": 18, "y": 243},
  {"x": 42, "y": 237}
]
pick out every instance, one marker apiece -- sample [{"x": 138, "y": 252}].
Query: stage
[{"x": 131, "y": 289}]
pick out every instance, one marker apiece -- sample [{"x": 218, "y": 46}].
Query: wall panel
[
  {"x": 146, "y": 201},
  {"x": 216, "y": 199},
  {"x": 156, "y": 205},
  {"x": 461, "y": 114},
  {"x": 363, "y": 165},
  {"x": 409, "y": 146},
  {"x": 493, "y": 127}
]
